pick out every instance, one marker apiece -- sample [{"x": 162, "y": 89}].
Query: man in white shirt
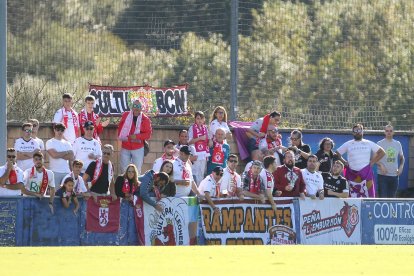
[
  {"x": 35, "y": 131},
  {"x": 313, "y": 179},
  {"x": 183, "y": 176},
  {"x": 11, "y": 176},
  {"x": 67, "y": 116},
  {"x": 230, "y": 184},
  {"x": 60, "y": 153},
  {"x": 38, "y": 179},
  {"x": 169, "y": 154},
  {"x": 210, "y": 187},
  {"x": 25, "y": 147},
  {"x": 86, "y": 148},
  {"x": 362, "y": 154}
]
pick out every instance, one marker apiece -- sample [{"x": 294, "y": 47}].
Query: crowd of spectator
[{"x": 199, "y": 164}]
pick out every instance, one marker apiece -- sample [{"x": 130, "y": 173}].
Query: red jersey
[{"x": 284, "y": 176}]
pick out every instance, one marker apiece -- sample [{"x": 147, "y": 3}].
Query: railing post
[{"x": 234, "y": 46}]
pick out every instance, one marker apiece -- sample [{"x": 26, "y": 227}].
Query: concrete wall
[{"x": 162, "y": 133}]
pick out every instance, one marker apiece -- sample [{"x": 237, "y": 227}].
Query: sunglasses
[
  {"x": 233, "y": 161},
  {"x": 89, "y": 128},
  {"x": 106, "y": 153},
  {"x": 137, "y": 106},
  {"x": 357, "y": 131},
  {"x": 11, "y": 156},
  {"x": 34, "y": 125},
  {"x": 28, "y": 130},
  {"x": 220, "y": 112}
]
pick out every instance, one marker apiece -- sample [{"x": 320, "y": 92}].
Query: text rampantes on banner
[
  {"x": 156, "y": 101},
  {"x": 249, "y": 222}
]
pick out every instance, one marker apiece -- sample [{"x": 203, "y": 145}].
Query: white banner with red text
[{"x": 330, "y": 221}]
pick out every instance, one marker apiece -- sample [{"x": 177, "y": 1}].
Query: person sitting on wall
[{"x": 259, "y": 129}]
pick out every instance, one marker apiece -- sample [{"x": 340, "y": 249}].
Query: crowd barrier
[{"x": 29, "y": 222}]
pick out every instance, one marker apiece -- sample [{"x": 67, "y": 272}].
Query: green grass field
[{"x": 208, "y": 260}]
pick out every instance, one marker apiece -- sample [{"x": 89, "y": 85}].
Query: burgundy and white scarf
[
  {"x": 98, "y": 171},
  {"x": 199, "y": 131},
  {"x": 45, "y": 179},
  {"x": 74, "y": 118},
  {"x": 218, "y": 153}
]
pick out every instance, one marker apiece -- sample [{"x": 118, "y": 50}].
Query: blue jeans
[
  {"x": 132, "y": 156},
  {"x": 387, "y": 186}
]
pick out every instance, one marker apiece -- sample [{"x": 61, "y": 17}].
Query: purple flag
[
  {"x": 361, "y": 183},
  {"x": 240, "y": 129}
]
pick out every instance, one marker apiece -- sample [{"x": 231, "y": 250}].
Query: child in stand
[
  {"x": 219, "y": 120},
  {"x": 219, "y": 152},
  {"x": 198, "y": 135},
  {"x": 66, "y": 194}
]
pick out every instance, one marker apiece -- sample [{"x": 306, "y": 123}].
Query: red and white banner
[
  {"x": 102, "y": 216},
  {"x": 330, "y": 221},
  {"x": 155, "y": 101},
  {"x": 249, "y": 222},
  {"x": 176, "y": 225}
]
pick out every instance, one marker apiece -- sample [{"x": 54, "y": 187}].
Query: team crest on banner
[
  {"x": 330, "y": 221},
  {"x": 102, "y": 216},
  {"x": 281, "y": 234},
  {"x": 103, "y": 212}
]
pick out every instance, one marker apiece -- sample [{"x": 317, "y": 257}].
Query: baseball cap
[
  {"x": 169, "y": 142},
  {"x": 88, "y": 124},
  {"x": 185, "y": 149}
]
